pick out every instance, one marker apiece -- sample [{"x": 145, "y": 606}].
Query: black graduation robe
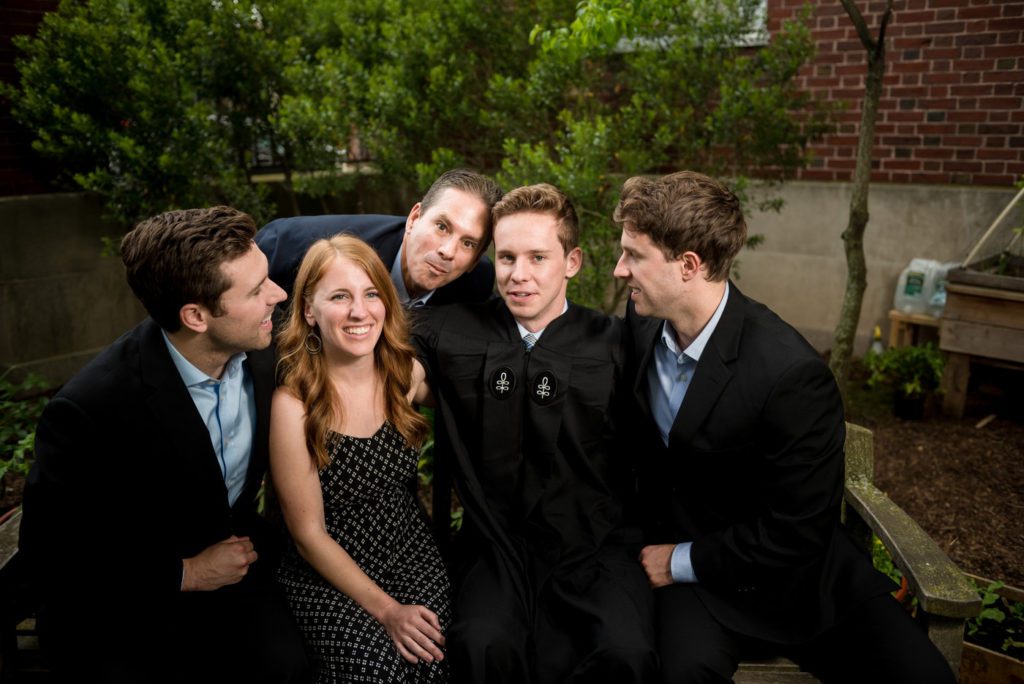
[{"x": 531, "y": 433}]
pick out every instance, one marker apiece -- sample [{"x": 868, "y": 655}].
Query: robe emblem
[
  {"x": 544, "y": 387},
  {"x": 503, "y": 382}
]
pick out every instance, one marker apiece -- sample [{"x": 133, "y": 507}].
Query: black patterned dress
[{"x": 371, "y": 512}]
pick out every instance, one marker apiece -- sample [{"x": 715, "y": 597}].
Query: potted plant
[
  {"x": 994, "y": 640},
  {"x": 914, "y": 373}
]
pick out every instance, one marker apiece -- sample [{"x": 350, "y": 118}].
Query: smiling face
[
  {"x": 532, "y": 268},
  {"x": 655, "y": 282},
  {"x": 244, "y": 319},
  {"x": 443, "y": 240},
  {"x": 348, "y": 309}
]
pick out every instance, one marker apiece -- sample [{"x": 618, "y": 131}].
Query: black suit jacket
[
  {"x": 753, "y": 476},
  {"x": 126, "y": 484},
  {"x": 286, "y": 240}
]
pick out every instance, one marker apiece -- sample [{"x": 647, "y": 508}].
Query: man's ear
[
  {"x": 193, "y": 317},
  {"x": 573, "y": 262},
  {"x": 689, "y": 265},
  {"x": 414, "y": 214}
]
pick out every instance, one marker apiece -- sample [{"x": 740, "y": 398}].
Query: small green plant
[
  {"x": 882, "y": 560},
  {"x": 911, "y": 372},
  {"x": 1000, "y": 625},
  {"x": 21, "y": 404}
]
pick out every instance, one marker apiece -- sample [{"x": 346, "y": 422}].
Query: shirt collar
[
  {"x": 191, "y": 375},
  {"x": 696, "y": 348},
  {"x": 523, "y": 332},
  {"x": 399, "y": 281}
]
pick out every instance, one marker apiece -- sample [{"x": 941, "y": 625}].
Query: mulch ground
[{"x": 963, "y": 482}]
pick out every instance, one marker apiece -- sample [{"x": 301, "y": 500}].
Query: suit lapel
[
  {"x": 175, "y": 414},
  {"x": 261, "y": 369},
  {"x": 713, "y": 372},
  {"x": 645, "y": 332}
]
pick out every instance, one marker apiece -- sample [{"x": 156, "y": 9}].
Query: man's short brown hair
[
  {"x": 543, "y": 199},
  {"x": 686, "y": 212},
  {"x": 174, "y": 259},
  {"x": 470, "y": 182}
]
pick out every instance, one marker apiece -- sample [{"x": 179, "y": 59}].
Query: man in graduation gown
[
  {"x": 739, "y": 440},
  {"x": 548, "y": 587},
  {"x": 435, "y": 254}
]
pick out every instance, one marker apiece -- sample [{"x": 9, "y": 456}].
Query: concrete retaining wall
[
  {"x": 800, "y": 270},
  {"x": 61, "y": 301}
]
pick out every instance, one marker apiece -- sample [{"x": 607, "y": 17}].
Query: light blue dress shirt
[
  {"x": 668, "y": 378},
  {"x": 399, "y": 281},
  {"x": 228, "y": 409}
]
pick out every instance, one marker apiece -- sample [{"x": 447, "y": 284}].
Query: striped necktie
[{"x": 528, "y": 341}]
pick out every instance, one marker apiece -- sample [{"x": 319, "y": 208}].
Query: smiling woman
[
  {"x": 346, "y": 308},
  {"x": 344, "y": 449}
]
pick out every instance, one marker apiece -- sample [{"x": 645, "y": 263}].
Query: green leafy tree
[
  {"x": 410, "y": 82},
  {"x": 167, "y": 103},
  {"x": 157, "y": 104},
  {"x": 630, "y": 88}
]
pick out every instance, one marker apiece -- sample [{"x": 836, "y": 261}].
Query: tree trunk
[{"x": 853, "y": 236}]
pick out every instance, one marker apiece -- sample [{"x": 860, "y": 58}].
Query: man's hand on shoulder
[
  {"x": 219, "y": 565},
  {"x": 657, "y": 562}
]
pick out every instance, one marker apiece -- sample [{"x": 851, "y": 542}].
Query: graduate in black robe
[{"x": 548, "y": 585}]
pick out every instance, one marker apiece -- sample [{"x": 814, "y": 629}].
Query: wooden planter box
[
  {"x": 981, "y": 666},
  {"x": 983, "y": 322}
]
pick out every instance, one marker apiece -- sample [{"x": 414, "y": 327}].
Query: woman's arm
[{"x": 415, "y": 630}]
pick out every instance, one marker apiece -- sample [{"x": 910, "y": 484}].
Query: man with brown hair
[
  {"x": 436, "y": 254},
  {"x": 141, "y": 508},
  {"x": 739, "y": 437},
  {"x": 547, "y": 584}
]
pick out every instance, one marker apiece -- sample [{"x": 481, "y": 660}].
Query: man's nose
[
  {"x": 447, "y": 247},
  {"x": 277, "y": 293},
  {"x": 519, "y": 271},
  {"x": 620, "y": 268}
]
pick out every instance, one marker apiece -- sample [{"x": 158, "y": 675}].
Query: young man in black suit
[
  {"x": 140, "y": 514},
  {"x": 740, "y": 439},
  {"x": 435, "y": 254}
]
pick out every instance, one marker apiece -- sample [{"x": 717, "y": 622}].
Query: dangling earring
[{"x": 313, "y": 343}]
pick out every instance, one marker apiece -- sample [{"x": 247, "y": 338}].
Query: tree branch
[
  {"x": 879, "y": 47},
  {"x": 862, "y": 27}
]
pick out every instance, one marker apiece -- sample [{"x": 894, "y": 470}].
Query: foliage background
[{"x": 160, "y": 104}]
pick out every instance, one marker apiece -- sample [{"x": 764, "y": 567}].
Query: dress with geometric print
[{"x": 371, "y": 511}]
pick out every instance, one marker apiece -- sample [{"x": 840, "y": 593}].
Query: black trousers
[
  {"x": 876, "y": 641},
  {"x": 234, "y": 634},
  {"x": 593, "y": 624}
]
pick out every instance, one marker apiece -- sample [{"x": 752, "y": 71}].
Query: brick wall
[
  {"x": 22, "y": 172},
  {"x": 951, "y": 108}
]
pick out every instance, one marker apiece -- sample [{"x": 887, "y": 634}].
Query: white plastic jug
[
  {"x": 937, "y": 301},
  {"x": 916, "y": 286}
]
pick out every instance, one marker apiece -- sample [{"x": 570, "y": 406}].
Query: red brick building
[{"x": 951, "y": 109}]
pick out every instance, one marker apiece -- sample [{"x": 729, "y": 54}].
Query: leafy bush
[
  {"x": 1000, "y": 626},
  {"x": 21, "y": 404},
  {"x": 166, "y": 104},
  {"x": 910, "y": 371}
]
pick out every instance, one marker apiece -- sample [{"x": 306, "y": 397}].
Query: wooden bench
[{"x": 946, "y": 598}]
